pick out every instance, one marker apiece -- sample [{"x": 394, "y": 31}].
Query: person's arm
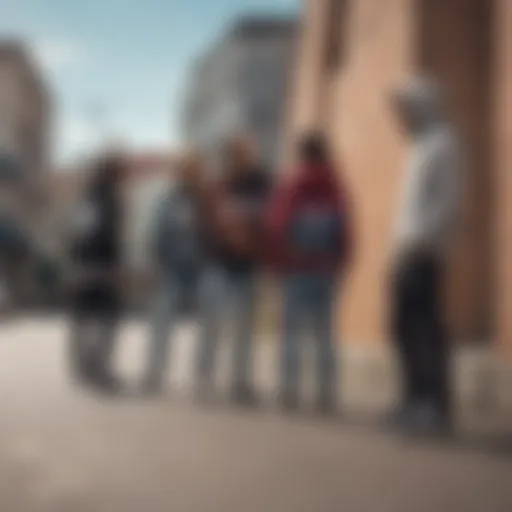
[
  {"x": 441, "y": 193},
  {"x": 277, "y": 218},
  {"x": 212, "y": 196}
]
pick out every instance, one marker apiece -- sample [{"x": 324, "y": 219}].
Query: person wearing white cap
[{"x": 425, "y": 229}]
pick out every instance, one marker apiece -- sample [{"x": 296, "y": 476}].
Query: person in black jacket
[{"x": 96, "y": 300}]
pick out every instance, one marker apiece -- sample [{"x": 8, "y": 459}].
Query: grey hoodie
[{"x": 429, "y": 204}]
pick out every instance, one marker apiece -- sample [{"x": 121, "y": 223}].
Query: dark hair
[
  {"x": 107, "y": 174},
  {"x": 313, "y": 147},
  {"x": 104, "y": 187}
]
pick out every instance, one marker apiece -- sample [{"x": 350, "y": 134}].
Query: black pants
[
  {"x": 94, "y": 325},
  {"x": 419, "y": 332}
]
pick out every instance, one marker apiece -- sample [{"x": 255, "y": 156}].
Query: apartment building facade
[
  {"x": 24, "y": 161},
  {"x": 25, "y": 110},
  {"x": 241, "y": 84}
]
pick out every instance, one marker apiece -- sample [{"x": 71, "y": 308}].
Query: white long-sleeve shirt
[{"x": 429, "y": 206}]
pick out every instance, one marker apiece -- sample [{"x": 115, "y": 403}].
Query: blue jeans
[
  {"x": 165, "y": 313},
  {"x": 308, "y": 305},
  {"x": 224, "y": 292}
]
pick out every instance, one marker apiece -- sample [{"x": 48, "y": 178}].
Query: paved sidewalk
[{"x": 62, "y": 449}]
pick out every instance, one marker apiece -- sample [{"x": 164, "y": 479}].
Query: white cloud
[
  {"x": 57, "y": 54},
  {"x": 75, "y": 136}
]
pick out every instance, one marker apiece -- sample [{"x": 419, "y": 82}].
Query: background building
[
  {"x": 352, "y": 53},
  {"x": 24, "y": 111},
  {"x": 241, "y": 83},
  {"x": 25, "y": 118},
  {"x": 24, "y": 160}
]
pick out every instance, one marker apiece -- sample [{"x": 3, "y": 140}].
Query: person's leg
[
  {"x": 293, "y": 317},
  {"x": 5, "y": 293},
  {"x": 163, "y": 317},
  {"x": 107, "y": 323},
  {"x": 435, "y": 343},
  {"x": 404, "y": 322},
  {"x": 321, "y": 312},
  {"x": 429, "y": 357},
  {"x": 105, "y": 310},
  {"x": 79, "y": 347},
  {"x": 211, "y": 308},
  {"x": 242, "y": 288}
]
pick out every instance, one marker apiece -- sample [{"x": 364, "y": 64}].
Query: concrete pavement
[{"x": 62, "y": 449}]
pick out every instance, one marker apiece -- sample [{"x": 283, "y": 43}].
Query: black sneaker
[
  {"x": 289, "y": 402},
  {"x": 244, "y": 395}
]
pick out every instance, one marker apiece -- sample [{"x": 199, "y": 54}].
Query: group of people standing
[{"x": 212, "y": 239}]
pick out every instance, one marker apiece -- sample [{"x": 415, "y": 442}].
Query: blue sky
[{"x": 120, "y": 64}]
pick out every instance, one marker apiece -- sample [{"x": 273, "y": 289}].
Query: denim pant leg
[
  {"x": 164, "y": 316},
  {"x": 293, "y": 323},
  {"x": 211, "y": 308},
  {"x": 321, "y": 310},
  {"x": 108, "y": 328},
  {"x": 80, "y": 346},
  {"x": 242, "y": 290}
]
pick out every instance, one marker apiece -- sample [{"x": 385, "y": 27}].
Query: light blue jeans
[
  {"x": 164, "y": 315},
  {"x": 308, "y": 306},
  {"x": 233, "y": 293}
]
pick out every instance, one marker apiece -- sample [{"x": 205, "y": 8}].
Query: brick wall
[
  {"x": 377, "y": 54},
  {"x": 503, "y": 147},
  {"x": 303, "y": 105},
  {"x": 381, "y": 43},
  {"x": 454, "y": 46}
]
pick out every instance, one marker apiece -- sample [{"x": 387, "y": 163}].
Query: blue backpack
[{"x": 317, "y": 230}]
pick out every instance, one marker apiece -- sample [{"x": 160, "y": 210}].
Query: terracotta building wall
[
  {"x": 503, "y": 147},
  {"x": 377, "y": 52},
  {"x": 304, "y": 101},
  {"x": 465, "y": 44},
  {"x": 454, "y": 46}
]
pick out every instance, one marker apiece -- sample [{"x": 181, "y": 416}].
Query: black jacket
[
  {"x": 249, "y": 192},
  {"x": 96, "y": 248},
  {"x": 97, "y": 242}
]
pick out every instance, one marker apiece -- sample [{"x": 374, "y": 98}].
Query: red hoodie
[{"x": 312, "y": 184}]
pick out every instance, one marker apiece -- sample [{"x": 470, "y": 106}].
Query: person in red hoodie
[{"x": 310, "y": 239}]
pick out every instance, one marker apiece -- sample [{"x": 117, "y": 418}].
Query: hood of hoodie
[{"x": 419, "y": 100}]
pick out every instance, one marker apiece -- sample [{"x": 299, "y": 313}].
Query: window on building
[{"x": 335, "y": 33}]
